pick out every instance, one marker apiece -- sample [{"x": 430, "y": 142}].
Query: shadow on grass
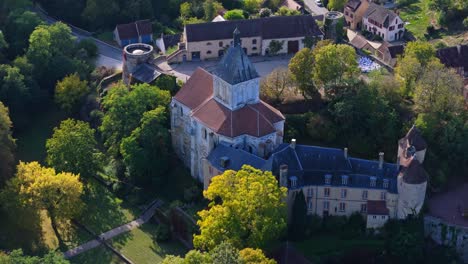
[{"x": 101, "y": 255}]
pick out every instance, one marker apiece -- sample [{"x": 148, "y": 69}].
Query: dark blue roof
[
  {"x": 237, "y": 158},
  {"x": 310, "y": 164}
]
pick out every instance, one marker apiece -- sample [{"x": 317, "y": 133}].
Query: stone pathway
[{"x": 149, "y": 212}]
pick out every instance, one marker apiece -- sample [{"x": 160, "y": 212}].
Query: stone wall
[{"x": 447, "y": 234}]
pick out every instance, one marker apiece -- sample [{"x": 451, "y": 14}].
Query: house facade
[
  {"x": 354, "y": 11},
  {"x": 211, "y": 40},
  {"x": 383, "y": 22},
  {"x": 137, "y": 32}
]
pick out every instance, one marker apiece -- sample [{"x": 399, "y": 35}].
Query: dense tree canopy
[
  {"x": 124, "y": 109},
  {"x": 277, "y": 86},
  {"x": 247, "y": 209},
  {"x": 19, "y": 26},
  {"x": 17, "y": 257},
  {"x": 7, "y": 146},
  {"x": 234, "y": 14},
  {"x": 13, "y": 90},
  {"x": 146, "y": 151},
  {"x": 73, "y": 148},
  {"x": 301, "y": 67},
  {"x": 70, "y": 92}
]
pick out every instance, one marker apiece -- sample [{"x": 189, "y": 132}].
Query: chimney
[
  {"x": 381, "y": 160},
  {"x": 345, "y": 151},
  {"x": 293, "y": 143},
  {"x": 223, "y": 161},
  {"x": 283, "y": 175}
]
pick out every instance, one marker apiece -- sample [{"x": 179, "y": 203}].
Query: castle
[{"x": 219, "y": 123}]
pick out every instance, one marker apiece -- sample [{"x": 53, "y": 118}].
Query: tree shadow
[{"x": 162, "y": 248}]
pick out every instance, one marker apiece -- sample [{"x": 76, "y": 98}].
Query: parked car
[{"x": 318, "y": 2}]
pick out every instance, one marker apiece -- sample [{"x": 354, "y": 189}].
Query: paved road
[
  {"x": 145, "y": 217},
  {"x": 314, "y": 8},
  {"x": 109, "y": 55}
]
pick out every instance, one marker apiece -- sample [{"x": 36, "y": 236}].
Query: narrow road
[
  {"x": 109, "y": 55},
  {"x": 312, "y": 7},
  {"x": 145, "y": 217}
]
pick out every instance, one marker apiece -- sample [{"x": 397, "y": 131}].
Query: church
[{"x": 219, "y": 123}]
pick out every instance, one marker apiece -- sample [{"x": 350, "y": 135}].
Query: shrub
[
  {"x": 264, "y": 12},
  {"x": 163, "y": 233},
  {"x": 275, "y": 46},
  {"x": 234, "y": 14}
]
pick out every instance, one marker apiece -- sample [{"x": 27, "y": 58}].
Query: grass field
[
  {"x": 419, "y": 17},
  {"x": 140, "y": 245},
  {"x": 31, "y": 141},
  {"x": 322, "y": 246}
]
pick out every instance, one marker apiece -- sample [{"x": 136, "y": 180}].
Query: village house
[
  {"x": 218, "y": 123},
  {"x": 211, "y": 40},
  {"x": 131, "y": 33},
  {"x": 383, "y": 22},
  {"x": 354, "y": 11}
]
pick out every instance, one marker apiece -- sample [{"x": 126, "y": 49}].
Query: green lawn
[
  {"x": 140, "y": 245},
  {"x": 100, "y": 255},
  {"x": 31, "y": 140},
  {"x": 322, "y": 246},
  {"x": 418, "y": 15}
]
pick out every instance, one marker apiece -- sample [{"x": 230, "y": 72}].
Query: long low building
[{"x": 211, "y": 40}]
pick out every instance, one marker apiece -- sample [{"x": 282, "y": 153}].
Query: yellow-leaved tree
[
  {"x": 39, "y": 188},
  {"x": 247, "y": 209}
]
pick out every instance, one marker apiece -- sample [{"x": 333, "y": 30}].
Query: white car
[{"x": 318, "y": 2}]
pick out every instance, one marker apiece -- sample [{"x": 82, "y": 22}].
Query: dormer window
[
  {"x": 373, "y": 181},
  {"x": 385, "y": 183},
  {"x": 293, "y": 180},
  {"x": 344, "y": 179},
  {"x": 328, "y": 179}
]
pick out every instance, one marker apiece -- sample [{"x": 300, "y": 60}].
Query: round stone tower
[
  {"x": 333, "y": 22},
  {"x": 134, "y": 55},
  {"x": 412, "y": 179}
]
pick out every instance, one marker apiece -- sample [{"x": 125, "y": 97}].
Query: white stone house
[{"x": 383, "y": 22}]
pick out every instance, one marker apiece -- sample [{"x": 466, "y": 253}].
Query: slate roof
[
  {"x": 456, "y": 56},
  {"x": 135, "y": 29},
  {"x": 235, "y": 67},
  {"x": 377, "y": 208},
  {"x": 268, "y": 28},
  {"x": 414, "y": 138},
  {"x": 253, "y": 119},
  {"x": 353, "y": 4},
  {"x": 310, "y": 164},
  {"x": 237, "y": 158},
  {"x": 380, "y": 14},
  {"x": 197, "y": 89},
  {"x": 414, "y": 173},
  {"x": 171, "y": 40},
  {"x": 146, "y": 73}
]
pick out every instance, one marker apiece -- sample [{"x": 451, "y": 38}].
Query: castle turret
[{"x": 412, "y": 179}]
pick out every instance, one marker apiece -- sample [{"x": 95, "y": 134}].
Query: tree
[
  {"x": 252, "y": 6},
  {"x": 211, "y": 9},
  {"x": 225, "y": 253},
  {"x": 39, "y": 188},
  {"x": 277, "y": 86},
  {"x": 247, "y": 209},
  {"x": 275, "y": 46},
  {"x": 334, "y": 64},
  {"x": 301, "y": 67},
  {"x": 439, "y": 90},
  {"x": 124, "y": 109},
  {"x": 337, "y": 5},
  {"x": 70, "y": 92},
  {"x": 101, "y": 13},
  {"x": 89, "y": 46},
  {"x": 146, "y": 151},
  {"x": 254, "y": 256},
  {"x": 20, "y": 25},
  {"x": 13, "y": 91},
  {"x": 3, "y": 43},
  {"x": 73, "y": 148},
  {"x": 297, "y": 224},
  {"x": 7, "y": 146},
  {"x": 285, "y": 11},
  {"x": 465, "y": 22},
  {"x": 17, "y": 257},
  {"x": 234, "y": 14},
  {"x": 186, "y": 10}
]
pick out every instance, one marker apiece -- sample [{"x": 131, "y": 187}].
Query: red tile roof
[
  {"x": 254, "y": 119},
  {"x": 196, "y": 90},
  {"x": 377, "y": 208}
]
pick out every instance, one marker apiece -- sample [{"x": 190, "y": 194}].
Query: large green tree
[
  {"x": 334, "y": 64},
  {"x": 17, "y": 257},
  {"x": 277, "y": 86},
  {"x": 73, "y": 148},
  {"x": 301, "y": 67},
  {"x": 70, "y": 92},
  {"x": 13, "y": 91},
  {"x": 101, "y": 13},
  {"x": 124, "y": 109},
  {"x": 19, "y": 27},
  {"x": 7, "y": 146},
  {"x": 146, "y": 151},
  {"x": 247, "y": 209}
]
